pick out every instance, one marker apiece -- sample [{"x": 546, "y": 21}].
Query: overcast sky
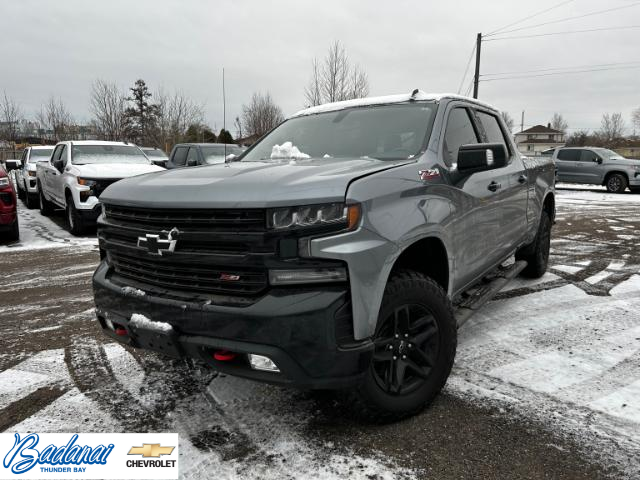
[{"x": 55, "y": 47}]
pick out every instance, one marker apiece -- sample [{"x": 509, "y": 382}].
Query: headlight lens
[
  {"x": 307, "y": 275},
  {"x": 86, "y": 182},
  {"x": 4, "y": 181},
  {"x": 314, "y": 216},
  {"x": 31, "y": 173}
]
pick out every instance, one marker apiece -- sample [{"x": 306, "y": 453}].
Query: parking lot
[{"x": 546, "y": 381}]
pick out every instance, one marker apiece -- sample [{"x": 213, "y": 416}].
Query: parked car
[
  {"x": 8, "y": 207},
  {"x": 78, "y": 173},
  {"x": 26, "y": 183},
  {"x": 346, "y": 260},
  {"x": 193, "y": 154},
  {"x": 597, "y": 166},
  {"x": 156, "y": 155}
]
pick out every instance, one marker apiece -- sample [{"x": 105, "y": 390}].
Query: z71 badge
[{"x": 429, "y": 174}]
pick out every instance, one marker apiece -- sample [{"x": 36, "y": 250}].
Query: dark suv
[{"x": 193, "y": 154}]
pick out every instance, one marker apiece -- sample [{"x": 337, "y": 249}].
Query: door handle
[
  {"x": 493, "y": 186},
  {"x": 522, "y": 179}
]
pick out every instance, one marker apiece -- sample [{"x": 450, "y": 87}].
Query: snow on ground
[{"x": 38, "y": 232}]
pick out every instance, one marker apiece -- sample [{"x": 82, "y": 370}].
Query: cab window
[
  {"x": 459, "y": 131},
  {"x": 180, "y": 156},
  {"x": 589, "y": 156}
]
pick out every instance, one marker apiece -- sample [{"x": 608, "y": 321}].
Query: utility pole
[
  {"x": 476, "y": 77},
  {"x": 522, "y": 122},
  {"x": 224, "y": 113}
]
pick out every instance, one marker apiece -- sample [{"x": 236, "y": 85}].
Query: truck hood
[
  {"x": 621, "y": 161},
  {"x": 114, "y": 170},
  {"x": 246, "y": 184}
]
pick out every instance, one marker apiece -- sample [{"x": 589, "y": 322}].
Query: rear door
[
  {"x": 57, "y": 179},
  {"x": 49, "y": 172},
  {"x": 566, "y": 161},
  {"x": 511, "y": 196}
]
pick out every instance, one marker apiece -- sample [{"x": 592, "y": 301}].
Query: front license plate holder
[{"x": 157, "y": 341}]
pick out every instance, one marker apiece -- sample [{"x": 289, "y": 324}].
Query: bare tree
[
  {"x": 55, "y": 118},
  {"x": 175, "y": 114},
  {"x": 612, "y": 128},
  {"x": 10, "y": 115},
  {"x": 508, "y": 121},
  {"x": 559, "y": 123},
  {"x": 108, "y": 105},
  {"x": 635, "y": 118},
  {"x": 335, "y": 79},
  {"x": 261, "y": 115},
  {"x": 580, "y": 138}
]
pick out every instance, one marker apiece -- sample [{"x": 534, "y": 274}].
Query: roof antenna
[{"x": 414, "y": 93}]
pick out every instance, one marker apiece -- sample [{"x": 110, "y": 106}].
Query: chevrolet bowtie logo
[
  {"x": 151, "y": 450},
  {"x": 157, "y": 244}
]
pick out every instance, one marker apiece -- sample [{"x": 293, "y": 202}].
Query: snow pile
[
  {"x": 287, "y": 150},
  {"x": 140, "y": 321},
  {"x": 133, "y": 292}
]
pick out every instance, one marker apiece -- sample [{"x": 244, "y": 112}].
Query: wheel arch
[
  {"x": 612, "y": 172},
  {"x": 428, "y": 256},
  {"x": 549, "y": 205}
]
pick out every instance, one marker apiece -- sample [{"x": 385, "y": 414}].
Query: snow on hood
[
  {"x": 115, "y": 170},
  {"x": 287, "y": 150}
]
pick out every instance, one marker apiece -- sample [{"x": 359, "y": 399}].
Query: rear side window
[
  {"x": 491, "y": 128},
  {"x": 180, "y": 156},
  {"x": 459, "y": 132},
  {"x": 572, "y": 155}
]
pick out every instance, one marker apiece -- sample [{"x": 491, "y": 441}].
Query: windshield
[
  {"x": 216, "y": 153},
  {"x": 384, "y": 132},
  {"x": 83, "y": 154},
  {"x": 152, "y": 152},
  {"x": 41, "y": 153},
  {"x": 609, "y": 153}
]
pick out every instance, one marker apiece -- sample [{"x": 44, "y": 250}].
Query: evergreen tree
[
  {"x": 142, "y": 115},
  {"x": 225, "y": 136}
]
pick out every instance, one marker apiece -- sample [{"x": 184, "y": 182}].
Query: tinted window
[
  {"x": 384, "y": 132},
  {"x": 492, "y": 129},
  {"x": 459, "y": 132},
  {"x": 588, "y": 156},
  {"x": 192, "y": 158},
  {"x": 56, "y": 153},
  {"x": 569, "y": 155},
  {"x": 180, "y": 156}
]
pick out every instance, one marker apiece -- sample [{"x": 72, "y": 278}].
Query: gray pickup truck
[
  {"x": 342, "y": 251},
  {"x": 597, "y": 166}
]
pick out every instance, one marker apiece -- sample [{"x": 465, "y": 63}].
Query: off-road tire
[
  {"x": 22, "y": 194},
  {"x": 46, "y": 207},
  {"x": 616, "y": 183},
  {"x": 30, "y": 200},
  {"x": 406, "y": 287},
  {"x": 14, "y": 233},
  {"x": 536, "y": 254},
  {"x": 74, "y": 220}
]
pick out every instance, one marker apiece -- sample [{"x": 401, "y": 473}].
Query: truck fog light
[
  {"x": 307, "y": 275},
  {"x": 258, "y": 362}
]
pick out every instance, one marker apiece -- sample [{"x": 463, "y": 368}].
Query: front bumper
[
  {"x": 634, "y": 179},
  {"x": 297, "y": 328},
  {"x": 90, "y": 215}
]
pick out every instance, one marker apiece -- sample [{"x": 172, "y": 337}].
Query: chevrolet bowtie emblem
[
  {"x": 151, "y": 450},
  {"x": 157, "y": 244}
]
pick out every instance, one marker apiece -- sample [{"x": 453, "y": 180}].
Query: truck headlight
[
  {"x": 307, "y": 275},
  {"x": 86, "y": 182},
  {"x": 4, "y": 181},
  {"x": 31, "y": 173},
  {"x": 314, "y": 216}
]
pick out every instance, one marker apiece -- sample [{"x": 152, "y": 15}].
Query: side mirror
[
  {"x": 191, "y": 163},
  {"x": 479, "y": 157},
  {"x": 13, "y": 165},
  {"x": 230, "y": 158},
  {"x": 598, "y": 160}
]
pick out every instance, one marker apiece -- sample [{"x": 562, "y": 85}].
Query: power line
[
  {"x": 566, "y": 19},
  {"x": 466, "y": 70},
  {"x": 529, "y": 17},
  {"x": 623, "y": 27},
  {"x": 563, "y": 68},
  {"x": 559, "y": 73}
]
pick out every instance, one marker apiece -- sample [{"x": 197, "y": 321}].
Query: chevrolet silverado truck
[
  {"x": 78, "y": 172},
  {"x": 598, "y": 166},
  {"x": 26, "y": 185},
  {"x": 342, "y": 251}
]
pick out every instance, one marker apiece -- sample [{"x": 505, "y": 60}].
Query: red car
[{"x": 8, "y": 208}]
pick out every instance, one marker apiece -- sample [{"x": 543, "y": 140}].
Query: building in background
[{"x": 534, "y": 140}]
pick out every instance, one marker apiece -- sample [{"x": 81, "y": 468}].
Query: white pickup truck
[{"x": 79, "y": 171}]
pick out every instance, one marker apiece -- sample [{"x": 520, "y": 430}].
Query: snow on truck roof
[
  {"x": 99, "y": 142},
  {"x": 416, "y": 95}
]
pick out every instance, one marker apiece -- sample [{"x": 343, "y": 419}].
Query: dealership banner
[{"x": 89, "y": 455}]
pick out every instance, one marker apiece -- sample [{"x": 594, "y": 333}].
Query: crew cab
[
  {"x": 342, "y": 251},
  {"x": 79, "y": 171},
  {"x": 9, "y": 228},
  {"x": 26, "y": 183},
  {"x": 194, "y": 154},
  {"x": 597, "y": 166}
]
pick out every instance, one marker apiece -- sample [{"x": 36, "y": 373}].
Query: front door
[{"x": 589, "y": 168}]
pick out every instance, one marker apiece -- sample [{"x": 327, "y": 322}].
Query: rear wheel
[
  {"x": 415, "y": 345},
  {"x": 616, "y": 183},
  {"x": 536, "y": 254},
  {"x": 30, "y": 199},
  {"x": 76, "y": 224},
  {"x": 46, "y": 207}
]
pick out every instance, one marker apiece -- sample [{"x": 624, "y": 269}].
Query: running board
[{"x": 480, "y": 294}]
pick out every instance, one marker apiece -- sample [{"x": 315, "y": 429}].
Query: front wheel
[
  {"x": 414, "y": 348},
  {"x": 616, "y": 183},
  {"x": 76, "y": 225},
  {"x": 14, "y": 233}
]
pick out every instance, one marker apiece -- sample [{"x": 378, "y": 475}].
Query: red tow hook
[
  {"x": 224, "y": 355},
  {"x": 120, "y": 330}
]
